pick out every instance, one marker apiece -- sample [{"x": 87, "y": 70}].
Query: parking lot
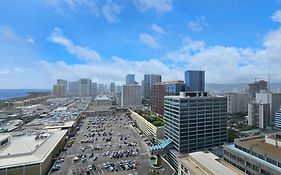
[{"x": 104, "y": 144}]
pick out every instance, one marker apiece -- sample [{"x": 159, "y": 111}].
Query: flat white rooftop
[
  {"x": 61, "y": 108},
  {"x": 209, "y": 164},
  {"x": 25, "y": 149}
]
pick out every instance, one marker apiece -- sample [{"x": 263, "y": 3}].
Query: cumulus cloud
[
  {"x": 156, "y": 28},
  {"x": 110, "y": 10},
  {"x": 158, "y": 5},
  {"x": 276, "y": 16},
  {"x": 198, "y": 24},
  {"x": 148, "y": 40},
  {"x": 84, "y": 53},
  {"x": 61, "y": 6}
]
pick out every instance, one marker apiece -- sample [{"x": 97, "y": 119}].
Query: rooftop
[
  {"x": 260, "y": 143},
  {"x": 102, "y": 97},
  {"x": 203, "y": 163},
  {"x": 31, "y": 150}
]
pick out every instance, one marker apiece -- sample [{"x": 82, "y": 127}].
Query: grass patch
[{"x": 151, "y": 117}]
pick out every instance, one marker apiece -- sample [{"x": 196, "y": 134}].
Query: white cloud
[
  {"x": 74, "y": 5},
  {"x": 4, "y": 71},
  {"x": 30, "y": 40},
  {"x": 110, "y": 10},
  {"x": 148, "y": 40},
  {"x": 198, "y": 24},
  {"x": 84, "y": 53},
  {"x": 159, "y": 5},
  {"x": 276, "y": 16},
  {"x": 156, "y": 28}
]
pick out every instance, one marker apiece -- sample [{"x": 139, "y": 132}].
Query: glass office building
[{"x": 195, "y": 80}]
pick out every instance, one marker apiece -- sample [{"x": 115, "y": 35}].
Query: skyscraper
[
  {"x": 112, "y": 87},
  {"x": 257, "y": 87},
  {"x": 195, "y": 80},
  {"x": 60, "y": 81},
  {"x": 84, "y": 87},
  {"x": 94, "y": 89},
  {"x": 59, "y": 90},
  {"x": 161, "y": 89},
  {"x": 73, "y": 88},
  {"x": 130, "y": 78},
  {"x": 194, "y": 121},
  {"x": 149, "y": 80},
  {"x": 131, "y": 95}
]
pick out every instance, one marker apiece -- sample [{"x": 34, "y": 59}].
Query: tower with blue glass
[{"x": 195, "y": 80}]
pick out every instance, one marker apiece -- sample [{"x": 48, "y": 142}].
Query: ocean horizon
[{"x": 12, "y": 93}]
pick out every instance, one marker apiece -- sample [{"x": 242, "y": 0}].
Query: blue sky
[{"x": 42, "y": 40}]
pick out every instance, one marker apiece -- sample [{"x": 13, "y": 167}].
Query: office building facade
[
  {"x": 112, "y": 87},
  {"x": 278, "y": 119},
  {"x": 94, "y": 89},
  {"x": 195, "y": 80},
  {"x": 149, "y": 80},
  {"x": 237, "y": 102},
  {"x": 59, "y": 90},
  {"x": 161, "y": 89},
  {"x": 131, "y": 95},
  {"x": 195, "y": 121},
  {"x": 130, "y": 79},
  {"x": 73, "y": 88},
  {"x": 84, "y": 87}
]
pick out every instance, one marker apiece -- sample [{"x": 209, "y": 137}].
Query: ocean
[{"x": 11, "y": 93}]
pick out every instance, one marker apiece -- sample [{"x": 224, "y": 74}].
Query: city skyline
[{"x": 51, "y": 39}]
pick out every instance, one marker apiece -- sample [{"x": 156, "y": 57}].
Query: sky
[{"x": 234, "y": 41}]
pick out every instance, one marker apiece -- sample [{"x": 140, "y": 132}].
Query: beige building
[
  {"x": 59, "y": 90},
  {"x": 29, "y": 152},
  {"x": 257, "y": 155},
  {"x": 131, "y": 95},
  {"x": 237, "y": 102},
  {"x": 205, "y": 163},
  {"x": 146, "y": 127}
]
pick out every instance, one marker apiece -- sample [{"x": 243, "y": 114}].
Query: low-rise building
[
  {"x": 29, "y": 153},
  {"x": 205, "y": 163},
  {"x": 257, "y": 155},
  {"x": 157, "y": 132}
]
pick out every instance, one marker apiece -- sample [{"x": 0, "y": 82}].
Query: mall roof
[{"x": 31, "y": 150}]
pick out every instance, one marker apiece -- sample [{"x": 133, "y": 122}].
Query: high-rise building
[
  {"x": 161, "y": 89},
  {"x": 195, "y": 80},
  {"x": 94, "y": 89},
  {"x": 112, "y": 87},
  {"x": 237, "y": 102},
  {"x": 278, "y": 119},
  {"x": 257, "y": 87},
  {"x": 149, "y": 80},
  {"x": 101, "y": 89},
  {"x": 73, "y": 88},
  {"x": 60, "y": 81},
  {"x": 255, "y": 155},
  {"x": 130, "y": 78},
  {"x": 194, "y": 121},
  {"x": 84, "y": 87},
  {"x": 59, "y": 90},
  {"x": 131, "y": 95},
  {"x": 262, "y": 111}
]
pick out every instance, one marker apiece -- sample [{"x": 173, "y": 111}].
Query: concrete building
[
  {"x": 84, "y": 87},
  {"x": 262, "y": 111},
  {"x": 278, "y": 119},
  {"x": 257, "y": 87},
  {"x": 73, "y": 88},
  {"x": 94, "y": 89},
  {"x": 130, "y": 79},
  {"x": 29, "y": 153},
  {"x": 60, "y": 81},
  {"x": 205, "y": 163},
  {"x": 131, "y": 95},
  {"x": 102, "y": 100},
  {"x": 112, "y": 87},
  {"x": 157, "y": 132},
  {"x": 237, "y": 102},
  {"x": 257, "y": 155},
  {"x": 101, "y": 89},
  {"x": 59, "y": 90},
  {"x": 161, "y": 89},
  {"x": 149, "y": 80},
  {"x": 195, "y": 80},
  {"x": 194, "y": 121}
]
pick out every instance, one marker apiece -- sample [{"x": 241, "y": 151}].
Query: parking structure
[{"x": 104, "y": 144}]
